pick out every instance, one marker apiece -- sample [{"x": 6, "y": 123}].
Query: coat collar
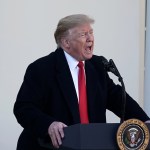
[
  {"x": 92, "y": 87},
  {"x": 66, "y": 84}
]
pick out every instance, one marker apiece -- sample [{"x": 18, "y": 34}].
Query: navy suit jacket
[{"x": 48, "y": 94}]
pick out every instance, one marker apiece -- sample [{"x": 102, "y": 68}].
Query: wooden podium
[{"x": 94, "y": 136}]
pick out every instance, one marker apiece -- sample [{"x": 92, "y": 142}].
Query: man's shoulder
[
  {"x": 97, "y": 63},
  {"x": 45, "y": 59},
  {"x": 41, "y": 65},
  {"x": 97, "y": 60},
  {"x": 49, "y": 59}
]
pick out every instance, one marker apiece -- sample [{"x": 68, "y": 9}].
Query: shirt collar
[{"x": 72, "y": 62}]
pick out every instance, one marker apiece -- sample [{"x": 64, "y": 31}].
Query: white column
[{"x": 147, "y": 64}]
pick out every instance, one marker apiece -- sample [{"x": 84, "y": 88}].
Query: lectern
[
  {"x": 94, "y": 136},
  {"x": 90, "y": 137}
]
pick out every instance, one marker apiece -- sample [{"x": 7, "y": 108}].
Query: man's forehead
[{"x": 81, "y": 28}]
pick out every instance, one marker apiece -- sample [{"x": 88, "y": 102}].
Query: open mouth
[{"x": 88, "y": 49}]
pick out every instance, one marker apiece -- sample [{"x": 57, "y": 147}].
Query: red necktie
[{"x": 82, "y": 94}]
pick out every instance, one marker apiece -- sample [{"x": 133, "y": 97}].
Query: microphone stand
[{"x": 112, "y": 68}]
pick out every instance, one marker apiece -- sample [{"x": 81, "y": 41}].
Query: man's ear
[{"x": 65, "y": 43}]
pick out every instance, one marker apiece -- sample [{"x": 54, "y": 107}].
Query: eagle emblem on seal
[{"x": 133, "y": 137}]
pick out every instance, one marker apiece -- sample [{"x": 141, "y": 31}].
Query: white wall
[
  {"x": 26, "y": 33},
  {"x": 147, "y": 63}
]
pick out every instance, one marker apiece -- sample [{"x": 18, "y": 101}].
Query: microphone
[{"x": 111, "y": 67}]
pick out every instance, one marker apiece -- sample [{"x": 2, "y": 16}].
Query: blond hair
[{"x": 69, "y": 22}]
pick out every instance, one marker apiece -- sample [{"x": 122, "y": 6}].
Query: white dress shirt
[{"x": 73, "y": 66}]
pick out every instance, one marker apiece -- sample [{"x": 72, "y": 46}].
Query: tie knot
[{"x": 80, "y": 64}]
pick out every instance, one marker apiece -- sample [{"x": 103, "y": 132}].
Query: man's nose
[{"x": 90, "y": 37}]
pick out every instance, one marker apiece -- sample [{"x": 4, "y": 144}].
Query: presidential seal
[{"x": 133, "y": 134}]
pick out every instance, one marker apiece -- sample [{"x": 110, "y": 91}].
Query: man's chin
[{"x": 88, "y": 57}]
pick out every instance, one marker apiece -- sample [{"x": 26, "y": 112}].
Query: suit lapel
[
  {"x": 92, "y": 87},
  {"x": 66, "y": 84}
]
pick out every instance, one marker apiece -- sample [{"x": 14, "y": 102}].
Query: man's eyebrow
[{"x": 85, "y": 30}]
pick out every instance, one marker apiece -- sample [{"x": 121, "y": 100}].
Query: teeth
[
  {"x": 88, "y": 48},
  {"x": 88, "y": 51}
]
